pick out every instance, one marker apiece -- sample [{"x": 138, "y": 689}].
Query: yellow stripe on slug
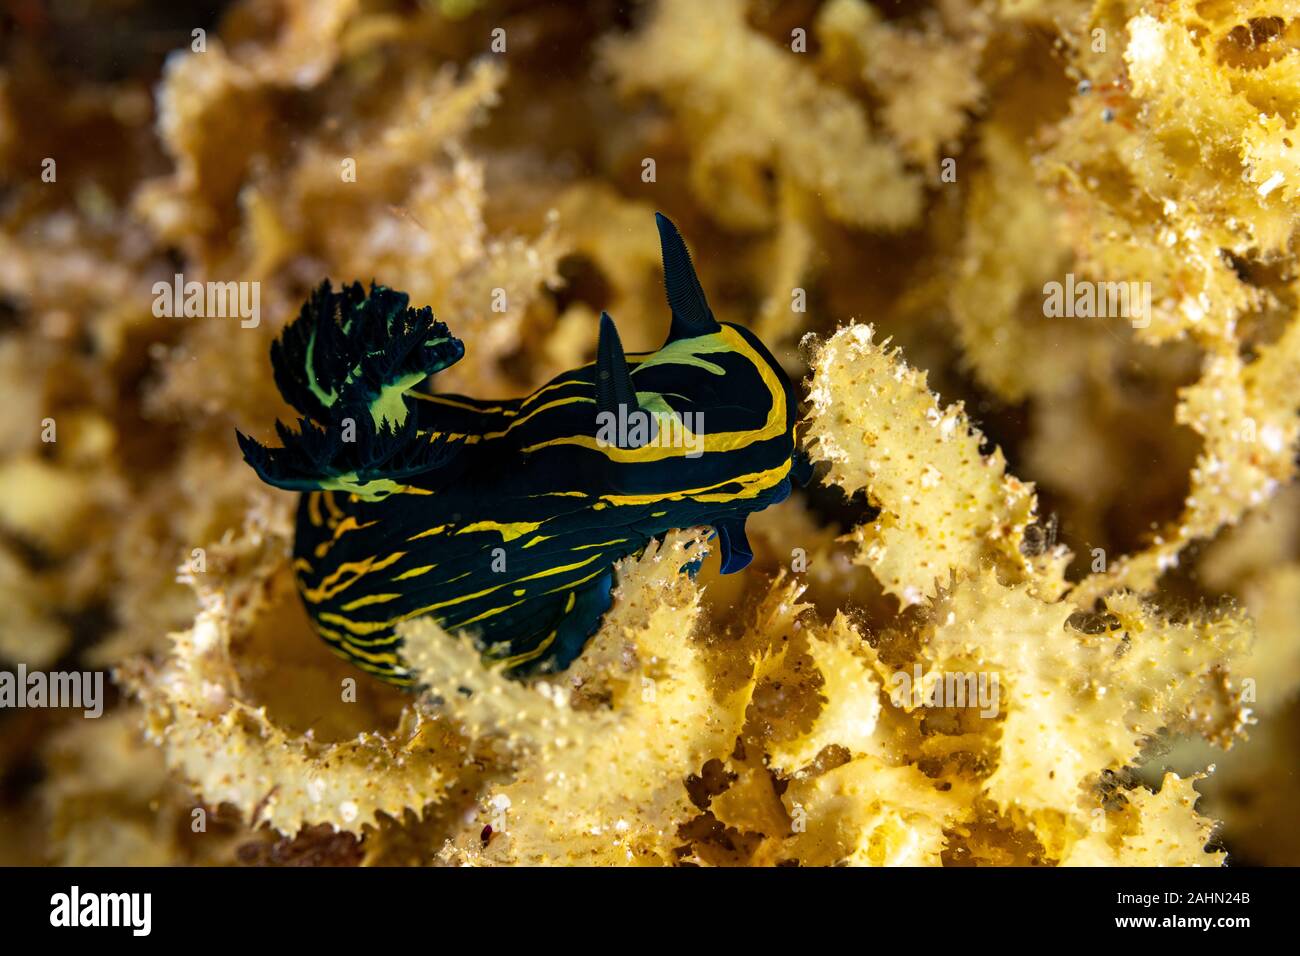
[
  {"x": 368, "y": 600},
  {"x": 326, "y": 589},
  {"x": 713, "y": 442},
  {"x": 509, "y": 531},
  {"x": 370, "y": 627},
  {"x": 415, "y": 572}
]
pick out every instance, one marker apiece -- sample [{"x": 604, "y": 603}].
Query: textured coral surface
[{"x": 1040, "y": 605}]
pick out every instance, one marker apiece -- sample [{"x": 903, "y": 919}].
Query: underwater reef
[{"x": 1029, "y": 269}]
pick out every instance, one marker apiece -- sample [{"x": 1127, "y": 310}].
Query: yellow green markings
[
  {"x": 467, "y": 406},
  {"x": 573, "y": 584},
  {"x": 509, "y": 530},
  {"x": 370, "y": 599},
  {"x": 384, "y": 641},
  {"x": 470, "y": 439},
  {"x": 331, "y": 636},
  {"x": 335, "y": 639},
  {"x": 389, "y": 405},
  {"x": 313, "y": 509},
  {"x": 492, "y": 613},
  {"x": 539, "y": 539},
  {"x": 439, "y": 529},
  {"x": 540, "y": 649},
  {"x": 415, "y": 572},
  {"x": 326, "y": 398},
  {"x": 332, "y": 584},
  {"x": 573, "y": 382},
  {"x": 714, "y": 441},
  {"x": 561, "y": 569},
  {"x": 598, "y": 544},
  {"x": 537, "y": 411},
  {"x": 688, "y": 352},
  {"x": 751, "y": 485},
  {"x": 347, "y": 524},
  {"x": 509, "y": 662},
  {"x": 370, "y": 627},
  {"x": 385, "y": 657},
  {"x": 374, "y": 490}
]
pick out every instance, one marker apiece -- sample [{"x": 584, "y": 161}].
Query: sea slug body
[{"x": 505, "y": 518}]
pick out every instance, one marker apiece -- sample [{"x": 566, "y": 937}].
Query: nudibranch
[{"x": 505, "y": 518}]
